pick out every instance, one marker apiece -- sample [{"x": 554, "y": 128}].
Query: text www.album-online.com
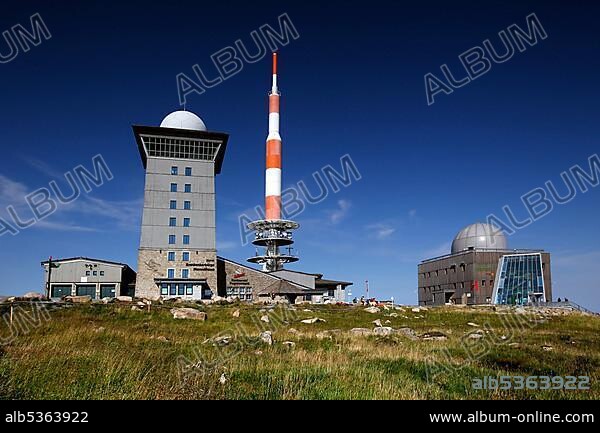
[{"x": 535, "y": 417}]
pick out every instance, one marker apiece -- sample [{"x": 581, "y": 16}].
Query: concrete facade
[
  {"x": 177, "y": 256},
  {"x": 85, "y": 276},
  {"x": 467, "y": 277}
]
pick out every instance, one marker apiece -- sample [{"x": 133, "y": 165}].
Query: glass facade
[
  {"x": 520, "y": 280},
  {"x": 168, "y": 147}
]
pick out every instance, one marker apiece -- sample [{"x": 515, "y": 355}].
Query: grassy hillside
[{"x": 114, "y": 352}]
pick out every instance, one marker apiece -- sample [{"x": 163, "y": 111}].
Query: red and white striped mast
[{"x": 273, "y": 232}]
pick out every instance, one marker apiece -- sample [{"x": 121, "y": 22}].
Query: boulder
[
  {"x": 265, "y": 319},
  {"x": 434, "y": 336},
  {"x": 266, "y": 337},
  {"x": 416, "y": 310},
  {"x": 222, "y": 340},
  {"x": 475, "y": 336},
  {"x": 223, "y": 379},
  {"x": 289, "y": 344},
  {"x": 547, "y": 348},
  {"x": 107, "y": 300},
  {"x": 361, "y": 331},
  {"x": 236, "y": 314},
  {"x": 124, "y": 298},
  {"x": 474, "y": 325},
  {"x": 328, "y": 334},
  {"x": 188, "y": 313},
  {"x": 407, "y": 332},
  {"x": 79, "y": 299},
  {"x": 383, "y": 331},
  {"x": 377, "y": 323},
  {"x": 162, "y": 339},
  {"x": 393, "y": 314},
  {"x": 313, "y": 320},
  {"x": 372, "y": 310}
]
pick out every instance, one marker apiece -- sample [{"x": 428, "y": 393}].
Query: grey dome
[
  {"x": 183, "y": 120},
  {"x": 479, "y": 236}
]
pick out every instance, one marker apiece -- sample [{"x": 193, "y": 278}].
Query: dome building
[{"x": 480, "y": 269}]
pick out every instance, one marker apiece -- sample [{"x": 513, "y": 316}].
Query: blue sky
[{"x": 352, "y": 83}]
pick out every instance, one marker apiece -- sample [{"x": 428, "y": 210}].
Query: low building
[
  {"x": 80, "y": 276},
  {"x": 482, "y": 270}
]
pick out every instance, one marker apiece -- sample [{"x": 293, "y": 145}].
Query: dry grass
[{"x": 111, "y": 352}]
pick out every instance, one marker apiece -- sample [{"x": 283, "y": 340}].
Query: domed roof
[
  {"x": 479, "y": 236},
  {"x": 183, "y": 120}
]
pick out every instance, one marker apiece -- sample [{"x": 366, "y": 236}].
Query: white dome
[
  {"x": 183, "y": 120},
  {"x": 479, "y": 236}
]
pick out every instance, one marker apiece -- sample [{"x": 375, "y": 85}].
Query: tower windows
[
  {"x": 185, "y": 274},
  {"x": 172, "y": 239},
  {"x": 170, "y": 273},
  {"x": 186, "y": 222},
  {"x": 172, "y": 222},
  {"x": 173, "y": 187},
  {"x": 174, "y": 171},
  {"x": 187, "y": 205},
  {"x": 186, "y": 256},
  {"x": 188, "y": 171},
  {"x": 186, "y": 239},
  {"x": 188, "y": 187},
  {"x": 173, "y": 204},
  {"x": 171, "y": 256}
]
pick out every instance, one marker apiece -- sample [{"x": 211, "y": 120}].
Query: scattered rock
[
  {"x": 107, "y": 300},
  {"x": 258, "y": 352},
  {"x": 100, "y": 329},
  {"x": 163, "y": 339},
  {"x": 378, "y": 323},
  {"x": 416, "y": 310},
  {"x": 307, "y": 310},
  {"x": 383, "y": 331},
  {"x": 266, "y": 337},
  {"x": 293, "y": 331},
  {"x": 223, "y": 379},
  {"x": 513, "y": 344},
  {"x": 361, "y": 331},
  {"x": 547, "y": 348},
  {"x": 520, "y": 310},
  {"x": 474, "y": 325},
  {"x": 236, "y": 314},
  {"x": 313, "y": 320},
  {"x": 141, "y": 304},
  {"x": 79, "y": 299},
  {"x": 328, "y": 334},
  {"x": 289, "y": 344},
  {"x": 124, "y": 298},
  {"x": 387, "y": 322},
  {"x": 188, "y": 313},
  {"x": 393, "y": 314},
  {"x": 434, "y": 336},
  {"x": 372, "y": 310},
  {"x": 503, "y": 337},
  {"x": 265, "y": 319},
  {"x": 475, "y": 336},
  {"x": 222, "y": 340},
  {"x": 33, "y": 295},
  {"x": 407, "y": 332}
]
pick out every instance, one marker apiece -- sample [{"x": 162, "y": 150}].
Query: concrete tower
[
  {"x": 177, "y": 255},
  {"x": 273, "y": 233}
]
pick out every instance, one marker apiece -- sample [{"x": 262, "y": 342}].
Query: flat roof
[
  {"x": 482, "y": 250},
  {"x": 86, "y": 259}
]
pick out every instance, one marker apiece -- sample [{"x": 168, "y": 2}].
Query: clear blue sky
[{"x": 352, "y": 83}]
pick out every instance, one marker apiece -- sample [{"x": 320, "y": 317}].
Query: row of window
[
  {"x": 187, "y": 205},
  {"x": 175, "y": 171},
  {"x": 173, "y": 222},
  {"x": 242, "y": 293},
  {"x": 461, "y": 285},
  {"x": 176, "y": 290},
  {"x": 173, "y": 239},
  {"x": 94, "y": 273},
  {"x": 185, "y": 273},
  {"x": 463, "y": 267},
  {"x": 186, "y": 188},
  {"x": 185, "y": 256}
]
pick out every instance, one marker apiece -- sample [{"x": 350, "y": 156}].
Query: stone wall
[
  {"x": 237, "y": 276},
  {"x": 154, "y": 264}
]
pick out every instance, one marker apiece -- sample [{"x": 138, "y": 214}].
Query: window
[
  {"x": 173, "y": 187},
  {"x": 482, "y": 283},
  {"x": 186, "y": 239},
  {"x": 95, "y": 273},
  {"x": 101, "y": 273},
  {"x": 88, "y": 273},
  {"x": 181, "y": 289},
  {"x": 187, "y": 205},
  {"x": 164, "y": 289},
  {"x": 188, "y": 171},
  {"x": 188, "y": 187},
  {"x": 172, "y": 239},
  {"x": 185, "y": 274},
  {"x": 173, "y": 204},
  {"x": 171, "y": 256},
  {"x": 186, "y": 222},
  {"x": 170, "y": 273},
  {"x": 186, "y": 256},
  {"x": 174, "y": 171},
  {"x": 189, "y": 289},
  {"x": 172, "y": 222},
  {"x": 173, "y": 289}
]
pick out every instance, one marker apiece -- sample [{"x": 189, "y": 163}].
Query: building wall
[
  {"x": 234, "y": 276},
  {"x": 154, "y": 243},
  {"x": 73, "y": 274},
  {"x": 465, "y": 278}
]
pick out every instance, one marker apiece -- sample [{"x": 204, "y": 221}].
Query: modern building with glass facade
[{"x": 482, "y": 270}]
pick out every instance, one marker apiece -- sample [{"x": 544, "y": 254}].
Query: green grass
[{"x": 111, "y": 352}]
